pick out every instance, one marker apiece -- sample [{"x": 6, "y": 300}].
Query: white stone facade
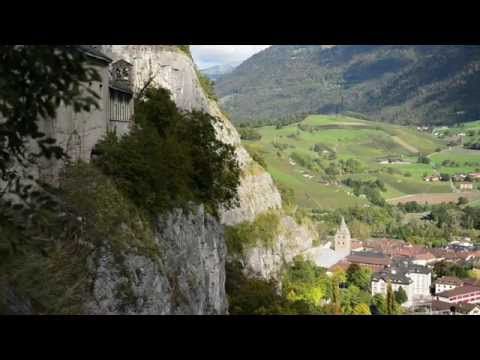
[
  {"x": 421, "y": 284},
  {"x": 380, "y": 287}
]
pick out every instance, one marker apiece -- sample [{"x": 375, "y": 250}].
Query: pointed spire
[{"x": 343, "y": 227}]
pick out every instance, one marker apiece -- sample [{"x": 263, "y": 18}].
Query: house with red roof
[{"x": 462, "y": 294}]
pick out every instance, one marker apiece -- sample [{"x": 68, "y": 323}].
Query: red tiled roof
[
  {"x": 461, "y": 290},
  {"x": 472, "y": 282},
  {"x": 441, "y": 305},
  {"x": 464, "y": 308},
  {"x": 449, "y": 280},
  {"x": 425, "y": 256},
  {"x": 368, "y": 259},
  {"x": 357, "y": 244}
]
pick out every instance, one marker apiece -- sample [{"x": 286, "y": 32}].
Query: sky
[{"x": 211, "y": 55}]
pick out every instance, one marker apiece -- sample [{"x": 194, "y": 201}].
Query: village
[{"x": 410, "y": 267}]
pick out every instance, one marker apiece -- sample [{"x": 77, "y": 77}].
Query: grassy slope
[{"x": 365, "y": 141}]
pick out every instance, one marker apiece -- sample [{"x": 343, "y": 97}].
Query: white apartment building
[
  {"x": 414, "y": 279},
  {"x": 398, "y": 280},
  {"x": 447, "y": 283}
]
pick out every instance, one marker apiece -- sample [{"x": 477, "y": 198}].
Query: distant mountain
[
  {"x": 417, "y": 84},
  {"x": 215, "y": 72}
]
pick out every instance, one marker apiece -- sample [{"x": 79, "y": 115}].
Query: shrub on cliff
[
  {"x": 263, "y": 231},
  {"x": 52, "y": 269},
  {"x": 171, "y": 158}
]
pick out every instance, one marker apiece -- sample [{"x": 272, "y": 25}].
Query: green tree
[
  {"x": 361, "y": 309},
  {"x": 424, "y": 159},
  {"x": 303, "y": 281},
  {"x": 360, "y": 277},
  {"x": 390, "y": 299},
  {"x": 360, "y": 230},
  {"x": 336, "y": 296},
  {"x": 378, "y": 301},
  {"x": 170, "y": 158},
  {"x": 445, "y": 177},
  {"x": 401, "y": 296}
]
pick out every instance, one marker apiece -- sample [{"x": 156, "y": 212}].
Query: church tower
[{"x": 343, "y": 240}]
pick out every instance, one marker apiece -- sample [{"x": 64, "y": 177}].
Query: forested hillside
[{"x": 407, "y": 84}]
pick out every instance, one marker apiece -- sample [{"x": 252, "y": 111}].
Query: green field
[{"x": 366, "y": 141}]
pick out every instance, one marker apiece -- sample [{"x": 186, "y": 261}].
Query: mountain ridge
[
  {"x": 404, "y": 84},
  {"x": 215, "y": 72}
]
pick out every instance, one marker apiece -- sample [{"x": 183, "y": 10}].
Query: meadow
[{"x": 290, "y": 151}]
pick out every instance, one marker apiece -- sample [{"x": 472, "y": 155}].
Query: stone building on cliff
[{"x": 78, "y": 132}]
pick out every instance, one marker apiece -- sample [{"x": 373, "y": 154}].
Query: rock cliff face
[
  {"x": 189, "y": 277},
  {"x": 172, "y": 69},
  {"x": 292, "y": 241}
]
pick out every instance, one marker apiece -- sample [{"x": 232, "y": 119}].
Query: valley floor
[{"x": 298, "y": 156}]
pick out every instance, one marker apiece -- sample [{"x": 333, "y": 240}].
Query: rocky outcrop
[
  {"x": 187, "y": 278},
  {"x": 173, "y": 69},
  {"x": 292, "y": 240}
]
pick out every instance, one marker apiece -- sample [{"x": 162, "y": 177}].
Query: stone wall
[{"x": 77, "y": 133}]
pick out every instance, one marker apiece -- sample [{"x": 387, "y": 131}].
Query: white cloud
[{"x": 211, "y": 55}]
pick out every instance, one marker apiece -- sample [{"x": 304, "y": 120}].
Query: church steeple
[{"x": 343, "y": 240}]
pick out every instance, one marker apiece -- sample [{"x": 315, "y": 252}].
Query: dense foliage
[
  {"x": 450, "y": 269},
  {"x": 371, "y": 189},
  {"x": 432, "y": 225},
  {"x": 396, "y": 83},
  {"x": 34, "y": 81},
  {"x": 307, "y": 289},
  {"x": 249, "y": 134},
  {"x": 207, "y": 85},
  {"x": 170, "y": 158},
  {"x": 263, "y": 231},
  {"x": 51, "y": 268}
]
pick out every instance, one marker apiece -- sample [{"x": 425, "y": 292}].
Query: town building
[
  {"x": 373, "y": 261},
  {"x": 466, "y": 186},
  {"x": 343, "y": 239},
  {"x": 421, "y": 277},
  {"x": 398, "y": 280},
  {"x": 459, "y": 177},
  {"x": 463, "y": 294},
  {"x": 324, "y": 256},
  {"x": 357, "y": 246},
  {"x": 416, "y": 280},
  {"x": 474, "y": 176},
  {"x": 444, "y": 308},
  {"x": 446, "y": 283},
  {"x": 424, "y": 259},
  {"x": 433, "y": 178}
]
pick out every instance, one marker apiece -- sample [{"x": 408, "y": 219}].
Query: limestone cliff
[
  {"x": 183, "y": 274},
  {"x": 189, "y": 275},
  {"x": 293, "y": 239},
  {"x": 173, "y": 69},
  {"x": 188, "y": 278}
]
